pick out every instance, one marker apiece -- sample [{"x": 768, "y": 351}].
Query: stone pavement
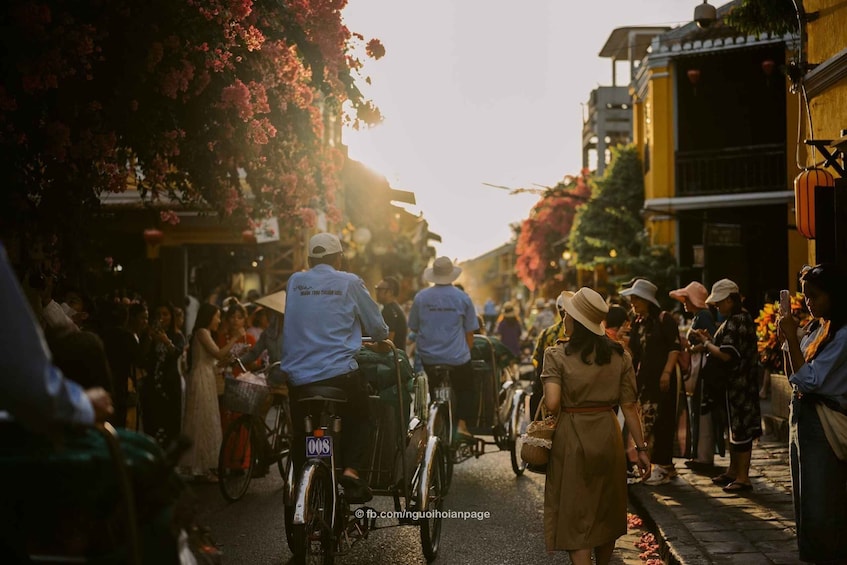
[{"x": 699, "y": 523}]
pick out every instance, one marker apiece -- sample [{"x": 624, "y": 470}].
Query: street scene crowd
[{"x": 685, "y": 383}]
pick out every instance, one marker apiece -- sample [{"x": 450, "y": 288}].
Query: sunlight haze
[{"x": 476, "y": 91}]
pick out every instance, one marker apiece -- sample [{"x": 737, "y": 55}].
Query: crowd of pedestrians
[{"x": 634, "y": 385}]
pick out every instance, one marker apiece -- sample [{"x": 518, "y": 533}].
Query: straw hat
[
  {"x": 642, "y": 288},
  {"x": 693, "y": 291},
  {"x": 442, "y": 271},
  {"x": 275, "y": 301},
  {"x": 588, "y": 308}
]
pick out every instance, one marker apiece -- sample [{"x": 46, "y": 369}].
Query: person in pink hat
[{"x": 693, "y": 298}]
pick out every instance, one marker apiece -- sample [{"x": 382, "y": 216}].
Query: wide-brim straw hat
[
  {"x": 642, "y": 288},
  {"x": 442, "y": 271},
  {"x": 588, "y": 308},
  {"x": 693, "y": 291},
  {"x": 275, "y": 301}
]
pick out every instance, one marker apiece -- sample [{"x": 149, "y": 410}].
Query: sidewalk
[{"x": 699, "y": 523}]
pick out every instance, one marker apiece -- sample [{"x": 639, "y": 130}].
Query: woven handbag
[{"x": 538, "y": 439}]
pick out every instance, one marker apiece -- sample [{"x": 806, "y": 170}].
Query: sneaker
[
  {"x": 632, "y": 477},
  {"x": 658, "y": 477}
]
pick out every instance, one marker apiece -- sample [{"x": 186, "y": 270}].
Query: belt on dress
[{"x": 586, "y": 409}]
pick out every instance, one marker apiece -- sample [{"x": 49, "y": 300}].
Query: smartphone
[{"x": 784, "y": 303}]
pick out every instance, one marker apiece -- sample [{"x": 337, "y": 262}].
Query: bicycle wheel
[
  {"x": 521, "y": 420},
  {"x": 434, "y": 491},
  {"x": 237, "y": 458},
  {"x": 441, "y": 430},
  {"x": 282, "y": 442},
  {"x": 313, "y": 541}
]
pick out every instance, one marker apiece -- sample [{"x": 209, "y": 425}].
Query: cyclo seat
[{"x": 322, "y": 393}]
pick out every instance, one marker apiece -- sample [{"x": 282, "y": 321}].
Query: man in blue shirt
[
  {"x": 32, "y": 390},
  {"x": 444, "y": 319},
  {"x": 325, "y": 312}
]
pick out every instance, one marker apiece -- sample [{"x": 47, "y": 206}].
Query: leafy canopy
[
  {"x": 541, "y": 236},
  {"x": 207, "y": 102}
]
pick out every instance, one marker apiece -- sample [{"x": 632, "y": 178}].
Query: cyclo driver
[
  {"x": 445, "y": 320},
  {"x": 325, "y": 312}
]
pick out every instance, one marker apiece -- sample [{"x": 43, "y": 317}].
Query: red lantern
[
  {"x": 804, "y": 198},
  {"x": 248, "y": 236},
  {"x": 694, "y": 76},
  {"x": 153, "y": 236},
  {"x": 768, "y": 66}
]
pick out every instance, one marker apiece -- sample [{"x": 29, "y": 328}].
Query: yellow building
[
  {"x": 716, "y": 131},
  {"x": 823, "y": 75}
]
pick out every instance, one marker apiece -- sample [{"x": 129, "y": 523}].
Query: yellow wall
[
  {"x": 658, "y": 126},
  {"x": 825, "y": 38}
]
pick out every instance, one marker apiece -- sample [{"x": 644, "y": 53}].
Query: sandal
[
  {"x": 723, "y": 480},
  {"x": 736, "y": 486}
]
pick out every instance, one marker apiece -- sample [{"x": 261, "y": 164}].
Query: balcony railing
[{"x": 757, "y": 168}]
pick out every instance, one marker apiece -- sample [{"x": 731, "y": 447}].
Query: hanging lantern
[
  {"x": 768, "y": 66},
  {"x": 804, "y": 198},
  {"x": 693, "y": 76},
  {"x": 153, "y": 238}
]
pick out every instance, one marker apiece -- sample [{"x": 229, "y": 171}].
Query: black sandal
[{"x": 723, "y": 480}]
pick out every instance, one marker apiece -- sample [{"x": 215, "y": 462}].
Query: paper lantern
[
  {"x": 153, "y": 236},
  {"x": 693, "y": 76},
  {"x": 768, "y": 66},
  {"x": 248, "y": 236},
  {"x": 804, "y": 198}
]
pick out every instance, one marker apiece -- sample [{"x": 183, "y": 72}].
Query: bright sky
[{"x": 477, "y": 91}]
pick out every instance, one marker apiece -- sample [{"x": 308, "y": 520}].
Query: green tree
[
  {"x": 609, "y": 230},
  {"x": 776, "y": 17}
]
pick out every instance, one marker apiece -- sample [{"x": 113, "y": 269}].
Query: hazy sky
[{"x": 478, "y": 91}]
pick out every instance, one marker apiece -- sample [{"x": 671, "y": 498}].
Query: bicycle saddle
[{"x": 320, "y": 392}]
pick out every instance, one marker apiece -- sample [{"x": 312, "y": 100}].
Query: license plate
[{"x": 318, "y": 447}]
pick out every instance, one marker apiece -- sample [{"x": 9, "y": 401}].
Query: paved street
[{"x": 251, "y": 530}]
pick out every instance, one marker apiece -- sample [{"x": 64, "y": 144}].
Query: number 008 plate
[{"x": 318, "y": 447}]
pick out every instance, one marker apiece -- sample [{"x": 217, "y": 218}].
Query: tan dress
[
  {"x": 202, "y": 422},
  {"x": 585, "y": 493}
]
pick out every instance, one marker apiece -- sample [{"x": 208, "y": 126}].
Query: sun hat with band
[
  {"x": 693, "y": 291},
  {"x": 642, "y": 288},
  {"x": 560, "y": 301},
  {"x": 442, "y": 271},
  {"x": 721, "y": 290},
  {"x": 588, "y": 308},
  {"x": 275, "y": 301},
  {"x": 323, "y": 244}
]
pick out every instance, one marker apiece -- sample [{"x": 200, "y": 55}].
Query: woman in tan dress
[{"x": 584, "y": 379}]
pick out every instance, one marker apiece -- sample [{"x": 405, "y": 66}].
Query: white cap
[{"x": 323, "y": 244}]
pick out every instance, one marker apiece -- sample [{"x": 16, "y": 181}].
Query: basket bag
[{"x": 538, "y": 439}]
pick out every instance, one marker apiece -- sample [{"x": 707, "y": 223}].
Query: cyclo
[
  {"x": 405, "y": 463},
  {"x": 501, "y": 400},
  {"x": 94, "y": 494}
]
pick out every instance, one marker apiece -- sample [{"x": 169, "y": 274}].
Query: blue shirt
[
  {"x": 826, "y": 374},
  {"x": 441, "y": 315},
  {"x": 325, "y": 313},
  {"x": 32, "y": 390}
]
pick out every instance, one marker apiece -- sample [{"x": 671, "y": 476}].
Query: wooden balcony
[{"x": 757, "y": 168}]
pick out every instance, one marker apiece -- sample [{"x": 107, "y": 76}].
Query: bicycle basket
[{"x": 243, "y": 396}]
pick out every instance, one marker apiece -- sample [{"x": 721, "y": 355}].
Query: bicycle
[
  {"x": 250, "y": 442},
  {"x": 324, "y": 525}
]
